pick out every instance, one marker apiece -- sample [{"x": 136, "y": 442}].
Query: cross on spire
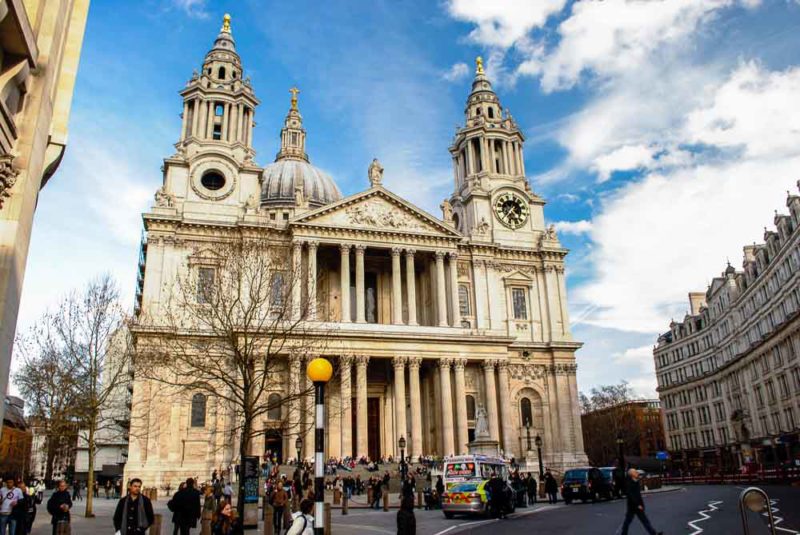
[{"x": 294, "y": 91}]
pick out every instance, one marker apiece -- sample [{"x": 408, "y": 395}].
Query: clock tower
[{"x": 492, "y": 200}]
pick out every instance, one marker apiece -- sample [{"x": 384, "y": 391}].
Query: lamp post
[
  {"x": 528, "y": 433},
  {"x": 620, "y": 446},
  {"x": 402, "y": 444},
  {"x": 319, "y": 372},
  {"x": 298, "y": 445},
  {"x": 538, "y": 441}
]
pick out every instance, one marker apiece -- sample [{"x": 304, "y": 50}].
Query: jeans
[
  {"x": 277, "y": 518},
  {"x": 7, "y": 520},
  {"x": 642, "y": 518}
]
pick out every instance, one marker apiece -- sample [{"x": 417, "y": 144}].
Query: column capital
[
  {"x": 295, "y": 360},
  {"x": 414, "y": 362},
  {"x": 410, "y": 252},
  {"x": 346, "y": 360},
  {"x": 360, "y": 248},
  {"x": 453, "y": 255},
  {"x": 397, "y": 251},
  {"x": 361, "y": 360},
  {"x": 312, "y": 244},
  {"x": 440, "y": 255},
  {"x": 445, "y": 363},
  {"x": 345, "y": 247},
  {"x": 489, "y": 365},
  {"x": 399, "y": 362},
  {"x": 502, "y": 366},
  {"x": 298, "y": 244},
  {"x": 460, "y": 364}
]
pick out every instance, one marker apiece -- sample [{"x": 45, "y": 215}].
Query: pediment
[
  {"x": 376, "y": 209},
  {"x": 517, "y": 275}
]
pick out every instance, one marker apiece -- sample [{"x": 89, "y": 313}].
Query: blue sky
[{"x": 662, "y": 133}]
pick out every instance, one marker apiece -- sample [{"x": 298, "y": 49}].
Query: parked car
[{"x": 586, "y": 484}]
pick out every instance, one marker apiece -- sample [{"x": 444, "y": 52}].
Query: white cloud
[
  {"x": 573, "y": 227},
  {"x": 641, "y": 356},
  {"x": 625, "y": 158},
  {"x": 456, "y": 73},
  {"x": 501, "y": 23},
  {"x": 193, "y": 8}
]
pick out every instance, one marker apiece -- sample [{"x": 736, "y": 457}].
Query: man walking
[
  {"x": 635, "y": 505},
  {"x": 551, "y": 487},
  {"x": 134, "y": 513},
  {"x": 9, "y": 497},
  {"x": 186, "y": 506},
  {"x": 58, "y": 506},
  {"x": 530, "y": 483}
]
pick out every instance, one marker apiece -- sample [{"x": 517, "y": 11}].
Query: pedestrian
[
  {"x": 278, "y": 501},
  {"x": 32, "y": 500},
  {"x": 96, "y": 491},
  {"x": 108, "y": 489},
  {"x": 497, "y": 495},
  {"x": 134, "y": 513},
  {"x": 76, "y": 491},
  {"x": 9, "y": 497},
  {"x": 635, "y": 505},
  {"x": 224, "y": 520},
  {"x": 406, "y": 521},
  {"x": 551, "y": 487},
  {"x": 439, "y": 486},
  {"x": 302, "y": 521},
  {"x": 209, "y": 508},
  {"x": 58, "y": 506},
  {"x": 531, "y": 485},
  {"x": 185, "y": 506},
  {"x": 377, "y": 493},
  {"x": 408, "y": 487},
  {"x": 227, "y": 492}
]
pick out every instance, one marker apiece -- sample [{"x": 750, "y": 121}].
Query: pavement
[{"x": 693, "y": 510}]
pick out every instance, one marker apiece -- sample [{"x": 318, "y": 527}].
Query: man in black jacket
[
  {"x": 186, "y": 506},
  {"x": 497, "y": 496},
  {"x": 635, "y": 504},
  {"x": 59, "y": 505},
  {"x": 134, "y": 513}
]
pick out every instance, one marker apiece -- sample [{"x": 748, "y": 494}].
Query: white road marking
[
  {"x": 712, "y": 506},
  {"x": 778, "y": 519},
  {"x": 360, "y": 527},
  {"x": 491, "y": 520}
]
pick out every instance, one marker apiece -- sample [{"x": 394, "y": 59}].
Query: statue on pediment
[
  {"x": 375, "y": 173},
  {"x": 162, "y": 198},
  {"x": 447, "y": 211}
]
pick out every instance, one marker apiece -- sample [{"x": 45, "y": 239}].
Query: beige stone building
[
  {"x": 729, "y": 373},
  {"x": 433, "y": 316},
  {"x": 40, "y": 45}
]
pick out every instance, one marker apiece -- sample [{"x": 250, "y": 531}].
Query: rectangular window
[
  {"x": 520, "y": 304},
  {"x": 205, "y": 284},
  {"x": 217, "y": 134},
  {"x": 463, "y": 300}
]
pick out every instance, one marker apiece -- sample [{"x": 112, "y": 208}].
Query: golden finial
[
  {"x": 226, "y": 24},
  {"x": 479, "y": 65},
  {"x": 294, "y": 91}
]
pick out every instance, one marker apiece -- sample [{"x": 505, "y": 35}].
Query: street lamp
[
  {"x": 298, "y": 445},
  {"x": 620, "y": 445},
  {"x": 538, "y": 441},
  {"x": 319, "y": 372},
  {"x": 402, "y": 444},
  {"x": 528, "y": 433}
]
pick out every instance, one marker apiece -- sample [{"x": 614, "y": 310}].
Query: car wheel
[
  {"x": 567, "y": 501},
  {"x": 448, "y": 516}
]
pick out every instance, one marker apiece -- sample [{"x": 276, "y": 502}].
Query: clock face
[{"x": 511, "y": 210}]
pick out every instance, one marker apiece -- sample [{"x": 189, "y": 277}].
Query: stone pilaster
[
  {"x": 462, "y": 433},
  {"x": 491, "y": 398}
]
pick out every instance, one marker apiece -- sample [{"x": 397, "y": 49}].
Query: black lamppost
[
  {"x": 528, "y": 433},
  {"x": 402, "y": 444},
  {"x": 621, "y": 446},
  {"x": 538, "y": 441},
  {"x": 298, "y": 445}
]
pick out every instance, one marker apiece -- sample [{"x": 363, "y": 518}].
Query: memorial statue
[{"x": 481, "y": 423}]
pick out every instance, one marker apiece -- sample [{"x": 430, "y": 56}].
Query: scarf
[{"x": 140, "y": 515}]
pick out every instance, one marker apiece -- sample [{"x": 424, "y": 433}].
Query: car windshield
[
  {"x": 464, "y": 487},
  {"x": 608, "y": 472},
  {"x": 575, "y": 475}
]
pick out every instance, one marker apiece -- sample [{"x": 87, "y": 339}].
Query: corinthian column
[
  {"x": 462, "y": 434},
  {"x": 360, "y": 284},
  {"x": 297, "y": 285},
  {"x": 308, "y": 398},
  {"x": 447, "y": 407},
  {"x": 491, "y": 398},
  {"x": 505, "y": 408},
  {"x": 416, "y": 406},
  {"x": 345, "y": 364},
  {"x": 399, "y": 364},
  {"x": 411, "y": 287},
  {"x": 361, "y": 405},
  {"x": 312, "y": 280},
  {"x": 454, "y": 289},
  {"x": 441, "y": 301},
  {"x": 397, "y": 288},
  {"x": 344, "y": 282}
]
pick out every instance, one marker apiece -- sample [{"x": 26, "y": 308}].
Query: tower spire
[{"x": 293, "y": 135}]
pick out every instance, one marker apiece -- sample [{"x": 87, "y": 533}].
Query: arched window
[
  {"x": 463, "y": 300},
  {"x": 470, "y": 407},
  {"x": 274, "y": 404},
  {"x": 222, "y": 73},
  {"x": 198, "y": 410},
  {"x": 276, "y": 290},
  {"x": 525, "y": 411},
  {"x": 491, "y": 113}
]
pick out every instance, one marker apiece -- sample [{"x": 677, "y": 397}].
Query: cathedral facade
[{"x": 433, "y": 317}]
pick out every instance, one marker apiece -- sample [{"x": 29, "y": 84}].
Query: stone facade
[
  {"x": 438, "y": 315},
  {"x": 729, "y": 373},
  {"x": 40, "y": 46}
]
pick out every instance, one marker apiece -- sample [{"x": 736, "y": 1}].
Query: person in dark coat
[
  {"x": 185, "y": 505},
  {"x": 531, "y": 486},
  {"x": 59, "y": 505},
  {"x": 635, "y": 504},
  {"x": 20, "y": 511},
  {"x": 497, "y": 496},
  {"x": 550, "y": 487},
  {"x": 406, "y": 521},
  {"x": 134, "y": 513}
]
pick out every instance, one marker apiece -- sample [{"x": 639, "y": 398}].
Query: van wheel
[
  {"x": 567, "y": 501},
  {"x": 448, "y": 516}
]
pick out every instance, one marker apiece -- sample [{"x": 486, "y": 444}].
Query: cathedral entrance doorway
[
  {"x": 273, "y": 444},
  {"x": 373, "y": 427}
]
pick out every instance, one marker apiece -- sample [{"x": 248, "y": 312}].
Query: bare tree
[{"x": 228, "y": 326}]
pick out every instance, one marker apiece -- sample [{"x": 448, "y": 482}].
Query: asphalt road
[{"x": 685, "y": 511}]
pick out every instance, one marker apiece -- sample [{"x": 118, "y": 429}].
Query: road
[{"x": 683, "y": 511}]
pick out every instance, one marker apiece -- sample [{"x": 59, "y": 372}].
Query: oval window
[{"x": 213, "y": 180}]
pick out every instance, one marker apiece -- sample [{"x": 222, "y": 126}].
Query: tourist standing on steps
[
  {"x": 134, "y": 513},
  {"x": 635, "y": 505},
  {"x": 58, "y": 506}
]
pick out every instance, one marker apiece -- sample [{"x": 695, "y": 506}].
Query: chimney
[{"x": 696, "y": 300}]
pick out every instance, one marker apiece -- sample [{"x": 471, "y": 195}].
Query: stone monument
[{"x": 483, "y": 443}]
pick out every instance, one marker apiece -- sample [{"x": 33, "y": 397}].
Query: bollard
[
  {"x": 327, "y": 529},
  {"x": 344, "y": 504},
  {"x": 419, "y": 499},
  {"x": 386, "y": 500},
  {"x": 337, "y": 496},
  {"x": 369, "y": 495},
  {"x": 155, "y": 529},
  {"x": 268, "y": 514}
]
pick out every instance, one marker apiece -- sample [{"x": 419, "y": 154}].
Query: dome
[{"x": 281, "y": 177}]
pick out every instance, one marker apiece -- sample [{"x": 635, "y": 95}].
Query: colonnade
[{"x": 236, "y": 121}]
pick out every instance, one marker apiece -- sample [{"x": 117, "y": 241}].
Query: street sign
[{"x": 662, "y": 455}]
